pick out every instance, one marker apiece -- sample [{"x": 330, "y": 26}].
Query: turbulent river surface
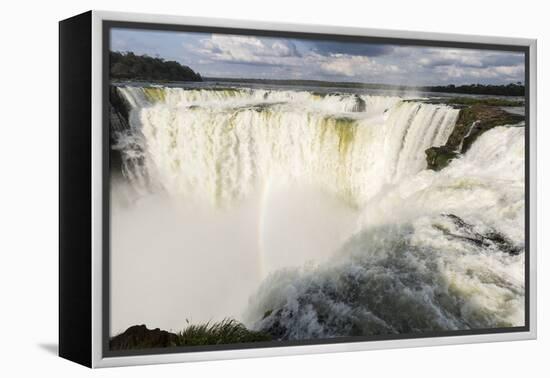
[{"x": 311, "y": 214}]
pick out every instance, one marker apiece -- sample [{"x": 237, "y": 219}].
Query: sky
[{"x": 240, "y": 56}]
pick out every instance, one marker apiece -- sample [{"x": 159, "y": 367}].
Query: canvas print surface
[{"x": 268, "y": 190}]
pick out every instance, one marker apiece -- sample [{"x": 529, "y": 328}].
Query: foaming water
[
  {"x": 218, "y": 145},
  {"x": 174, "y": 260},
  {"x": 312, "y": 215},
  {"x": 432, "y": 254},
  {"x": 394, "y": 279}
]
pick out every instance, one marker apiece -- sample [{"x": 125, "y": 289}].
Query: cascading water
[
  {"x": 426, "y": 251},
  {"x": 414, "y": 265},
  {"x": 221, "y": 144}
]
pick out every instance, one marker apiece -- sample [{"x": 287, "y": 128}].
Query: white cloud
[
  {"x": 511, "y": 71},
  {"x": 456, "y": 73},
  {"x": 355, "y": 66},
  {"x": 442, "y": 57},
  {"x": 245, "y": 49},
  {"x": 269, "y": 57}
]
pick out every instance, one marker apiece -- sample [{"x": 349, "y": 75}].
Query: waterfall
[
  {"x": 422, "y": 268},
  {"x": 331, "y": 223},
  {"x": 220, "y": 144}
]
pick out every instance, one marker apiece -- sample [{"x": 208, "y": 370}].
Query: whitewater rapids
[{"x": 355, "y": 236}]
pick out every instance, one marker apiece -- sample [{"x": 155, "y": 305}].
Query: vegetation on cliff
[
  {"x": 491, "y": 101},
  {"x": 472, "y": 121},
  {"x": 129, "y": 66},
  {"x": 512, "y": 89},
  {"x": 228, "y": 331}
]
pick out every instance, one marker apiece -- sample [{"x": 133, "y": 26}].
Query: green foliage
[
  {"x": 472, "y": 122},
  {"x": 483, "y": 101},
  {"x": 128, "y": 66},
  {"x": 228, "y": 331},
  {"x": 439, "y": 157},
  {"x": 512, "y": 89}
]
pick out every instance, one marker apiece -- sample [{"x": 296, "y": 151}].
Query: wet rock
[
  {"x": 471, "y": 123},
  {"x": 360, "y": 105},
  {"x": 503, "y": 243},
  {"x": 489, "y": 239},
  {"x": 118, "y": 104},
  {"x": 485, "y": 118},
  {"x": 140, "y": 337},
  {"x": 439, "y": 157},
  {"x": 119, "y": 111}
]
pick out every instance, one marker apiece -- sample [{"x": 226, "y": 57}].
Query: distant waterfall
[{"x": 219, "y": 144}]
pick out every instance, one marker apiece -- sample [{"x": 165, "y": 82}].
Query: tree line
[
  {"x": 512, "y": 89},
  {"x": 129, "y": 66}
]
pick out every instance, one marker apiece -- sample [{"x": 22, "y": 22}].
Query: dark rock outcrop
[
  {"x": 491, "y": 239},
  {"x": 140, "y": 337},
  {"x": 439, "y": 157},
  {"x": 227, "y": 331},
  {"x": 471, "y": 123},
  {"x": 118, "y": 103},
  {"x": 485, "y": 118},
  {"x": 119, "y": 111},
  {"x": 360, "y": 104}
]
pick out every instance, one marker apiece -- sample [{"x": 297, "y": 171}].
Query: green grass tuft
[{"x": 228, "y": 331}]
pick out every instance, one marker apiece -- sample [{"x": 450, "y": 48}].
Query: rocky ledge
[
  {"x": 140, "y": 337},
  {"x": 472, "y": 121},
  {"x": 488, "y": 239},
  {"x": 119, "y": 111},
  {"x": 228, "y": 331}
]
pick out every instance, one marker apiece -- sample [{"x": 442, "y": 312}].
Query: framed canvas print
[{"x": 237, "y": 189}]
